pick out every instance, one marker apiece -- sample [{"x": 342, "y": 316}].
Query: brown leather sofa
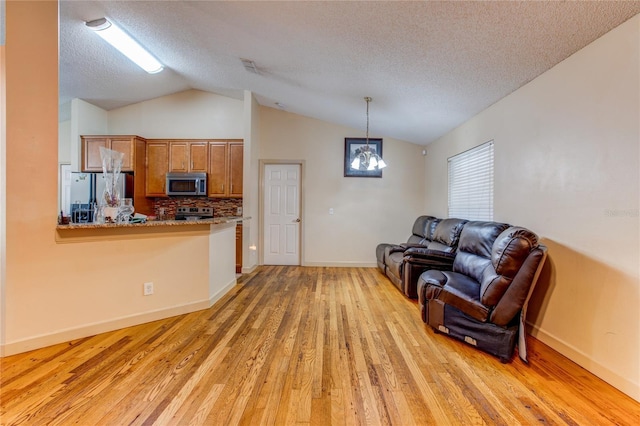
[
  {"x": 439, "y": 253},
  {"x": 422, "y": 231},
  {"x": 432, "y": 245},
  {"x": 483, "y": 299}
]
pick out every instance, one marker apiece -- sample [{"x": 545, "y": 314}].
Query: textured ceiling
[{"x": 429, "y": 66}]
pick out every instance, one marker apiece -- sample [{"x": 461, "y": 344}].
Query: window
[{"x": 471, "y": 183}]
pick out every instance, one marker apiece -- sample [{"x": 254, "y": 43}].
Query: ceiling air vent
[{"x": 250, "y": 66}]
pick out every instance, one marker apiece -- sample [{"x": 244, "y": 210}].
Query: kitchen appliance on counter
[
  {"x": 187, "y": 184},
  {"x": 87, "y": 189},
  {"x": 194, "y": 213}
]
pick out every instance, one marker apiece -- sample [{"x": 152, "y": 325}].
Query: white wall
[
  {"x": 190, "y": 114},
  {"x": 567, "y": 166},
  {"x": 86, "y": 119},
  {"x": 367, "y": 211},
  {"x": 64, "y": 142},
  {"x": 250, "y": 182}
]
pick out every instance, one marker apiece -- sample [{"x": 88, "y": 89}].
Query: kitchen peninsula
[{"x": 189, "y": 264}]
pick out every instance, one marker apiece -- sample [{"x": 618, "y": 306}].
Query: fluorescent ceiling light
[{"x": 125, "y": 44}]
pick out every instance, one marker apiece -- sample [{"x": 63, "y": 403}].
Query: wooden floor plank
[{"x": 299, "y": 345}]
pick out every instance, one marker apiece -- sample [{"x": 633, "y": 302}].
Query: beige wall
[
  {"x": 3, "y": 192},
  {"x": 189, "y": 114},
  {"x": 367, "y": 211},
  {"x": 567, "y": 166},
  {"x": 55, "y": 291}
]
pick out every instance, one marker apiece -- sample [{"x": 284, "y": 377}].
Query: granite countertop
[{"x": 154, "y": 223}]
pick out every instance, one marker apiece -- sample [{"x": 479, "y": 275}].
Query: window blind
[{"x": 471, "y": 183}]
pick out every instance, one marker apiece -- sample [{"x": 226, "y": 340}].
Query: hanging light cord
[{"x": 367, "y": 99}]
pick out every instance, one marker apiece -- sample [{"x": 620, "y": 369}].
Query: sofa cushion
[
  {"x": 394, "y": 264},
  {"x": 475, "y": 246},
  {"x": 509, "y": 252},
  {"x": 446, "y": 235},
  {"x": 478, "y": 237},
  {"x": 420, "y": 227},
  {"x": 430, "y": 228},
  {"x": 462, "y": 292}
]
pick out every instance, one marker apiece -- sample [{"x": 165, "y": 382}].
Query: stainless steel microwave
[{"x": 187, "y": 184}]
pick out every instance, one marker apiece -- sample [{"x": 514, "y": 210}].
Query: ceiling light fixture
[
  {"x": 368, "y": 159},
  {"x": 122, "y": 41}
]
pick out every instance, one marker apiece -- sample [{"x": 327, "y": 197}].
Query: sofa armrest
[
  {"x": 399, "y": 248},
  {"x": 417, "y": 260},
  {"x": 421, "y": 255}
]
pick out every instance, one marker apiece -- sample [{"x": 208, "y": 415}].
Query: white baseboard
[
  {"x": 249, "y": 270},
  {"x": 344, "y": 264},
  {"x": 584, "y": 360},
  {"x": 224, "y": 290},
  {"x": 86, "y": 330}
]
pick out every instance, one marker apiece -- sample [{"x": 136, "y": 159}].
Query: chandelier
[{"x": 366, "y": 158}]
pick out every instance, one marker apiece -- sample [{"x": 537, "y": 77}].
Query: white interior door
[{"x": 281, "y": 214}]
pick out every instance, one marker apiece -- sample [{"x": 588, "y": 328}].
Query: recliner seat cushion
[{"x": 456, "y": 290}]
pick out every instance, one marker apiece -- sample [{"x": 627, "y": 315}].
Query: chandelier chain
[{"x": 367, "y": 99}]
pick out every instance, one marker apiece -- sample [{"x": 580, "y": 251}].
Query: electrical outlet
[
  {"x": 331, "y": 210},
  {"x": 147, "y": 289}
]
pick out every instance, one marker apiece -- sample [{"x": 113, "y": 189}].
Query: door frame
[{"x": 262, "y": 166}]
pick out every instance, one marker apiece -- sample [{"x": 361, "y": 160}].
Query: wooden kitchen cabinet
[
  {"x": 198, "y": 156},
  {"x": 236, "y": 150},
  {"x": 188, "y": 156},
  {"x": 225, "y": 169},
  {"x": 134, "y": 149},
  {"x": 157, "y": 168},
  {"x": 217, "y": 185},
  {"x": 239, "y": 248},
  {"x": 130, "y": 146}
]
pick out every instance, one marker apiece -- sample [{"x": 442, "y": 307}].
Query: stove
[{"x": 194, "y": 213}]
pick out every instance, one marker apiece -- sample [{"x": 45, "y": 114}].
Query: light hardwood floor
[{"x": 300, "y": 345}]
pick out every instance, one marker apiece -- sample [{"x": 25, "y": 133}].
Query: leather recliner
[
  {"x": 419, "y": 233},
  {"x": 439, "y": 253},
  {"x": 483, "y": 299}
]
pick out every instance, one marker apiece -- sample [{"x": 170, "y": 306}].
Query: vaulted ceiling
[{"x": 429, "y": 65}]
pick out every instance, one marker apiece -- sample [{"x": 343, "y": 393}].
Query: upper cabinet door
[
  {"x": 125, "y": 146},
  {"x": 235, "y": 169},
  {"x": 218, "y": 185},
  {"x": 178, "y": 156},
  {"x": 91, "y": 161},
  {"x": 198, "y": 156},
  {"x": 157, "y": 168}
]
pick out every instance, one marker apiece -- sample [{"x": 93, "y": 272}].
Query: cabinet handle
[
  {"x": 192, "y": 164},
  {"x": 222, "y": 188}
]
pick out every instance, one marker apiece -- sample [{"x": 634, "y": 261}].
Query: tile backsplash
[{"x": 222, "y": 207}]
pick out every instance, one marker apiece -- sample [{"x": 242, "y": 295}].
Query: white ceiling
[{"x": 429, "y": 66}]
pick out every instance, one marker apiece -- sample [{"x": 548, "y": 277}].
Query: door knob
[{"x": 297, "y": 220}]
